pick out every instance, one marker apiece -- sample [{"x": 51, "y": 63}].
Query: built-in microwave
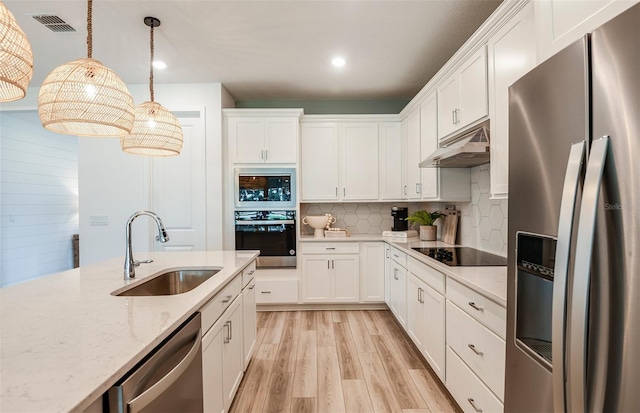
[{"x": 268, "y": 188}]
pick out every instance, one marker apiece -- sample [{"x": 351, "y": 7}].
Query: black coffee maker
[{"x": 400, "y": 215}]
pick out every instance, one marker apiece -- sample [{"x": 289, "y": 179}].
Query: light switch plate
[{"x": 98, "y": 220}]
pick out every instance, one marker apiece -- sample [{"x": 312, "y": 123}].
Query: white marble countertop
[
  {"x": 65, "y": 339},
  {"x": 488, "y": 281}
]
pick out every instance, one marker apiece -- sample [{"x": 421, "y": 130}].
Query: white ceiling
[{"x": 264, "y": 49}]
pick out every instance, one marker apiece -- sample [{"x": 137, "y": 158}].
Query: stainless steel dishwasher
[{"x": 168, "y": 380}]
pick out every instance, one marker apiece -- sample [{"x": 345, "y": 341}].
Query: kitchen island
[{"x": 64, "y": 339}]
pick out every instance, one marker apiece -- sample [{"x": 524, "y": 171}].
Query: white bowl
[{"x": 318, "y": 223}]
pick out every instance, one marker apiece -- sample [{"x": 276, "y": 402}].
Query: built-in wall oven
[
  {"x": 265, "y": 188},
  {"x": 273, "y": 232}
]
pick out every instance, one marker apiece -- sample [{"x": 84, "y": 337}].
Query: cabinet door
[
  {"x": 433, "y": 344},
  {"x": 316, "y": 278},
  {"x": 399, "y": 293},
  {"x": 388, "y": 274},
  {"x": 212, "y": 359},
  {"x": 359, "y": 161},
  {"x": 345, "y": 278},
  {"x": 248, "y": 321},
  {"x": 281, "y": 142},
  {"x": 474, "y": 103},
  {"x": 513, "y": 43},
  {"x": 448, "y": 103},
  {"x": 390, "y": 160},
  {"x": 404, "y": 137},
  {"x": 413, "y": 155},
  {"x": 246, "y": 139},
  {"x": 319, "y": 161},
  {"x": 416, "y": 327},
  {"x": 233, "y": 361},
  {"x": 372, "y": 272},
  {"x": 428, "y": 144}
]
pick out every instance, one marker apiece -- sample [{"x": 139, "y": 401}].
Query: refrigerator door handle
[
  {"x": 563, "y": 248},
  {"x": 577, "y": 360}
]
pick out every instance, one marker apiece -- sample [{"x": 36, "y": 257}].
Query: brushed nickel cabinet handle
[
  {"x": 473, "y": 404},
  {"x": 227, "y": 337},
  {"x": 475, "y": 307},
  {"x": 265, "y": 292},
  {"x": 473, "y": 348},
  {"x": 227, "y": 299}
]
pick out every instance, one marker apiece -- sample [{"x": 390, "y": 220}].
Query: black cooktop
[{"x": 463, "y": 257}]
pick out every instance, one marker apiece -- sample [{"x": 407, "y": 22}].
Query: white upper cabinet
[
  {"x": 559, "y": 22},
  {"x": 462, "y": 98},
  {"x": 390, "y": 160},
  {"x": 512, "y": 53},
  {"x": 411, "y": 157},
  {"x": 359, "y": 161},
  {"x": 339, "y": 161},
  {"x": 262, "y": 136},
  {"x": 319, "y": 162},
  {"x": 439, "y": 184}
]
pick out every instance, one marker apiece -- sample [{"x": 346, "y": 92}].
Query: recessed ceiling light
[
  {"x": 159, "y": 65},
  {"x": 338, "y": 61}
]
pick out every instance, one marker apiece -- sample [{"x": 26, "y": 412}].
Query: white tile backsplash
[{"x": 483, "y": 222}]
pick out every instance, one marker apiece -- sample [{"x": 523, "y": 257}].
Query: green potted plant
[{"x": 425, "y": 220}]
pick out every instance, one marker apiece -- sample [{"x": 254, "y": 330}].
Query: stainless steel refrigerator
[{"x": 573, "y": 320}]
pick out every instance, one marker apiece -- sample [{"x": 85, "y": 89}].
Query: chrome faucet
[{"x": 129, "y": 263}]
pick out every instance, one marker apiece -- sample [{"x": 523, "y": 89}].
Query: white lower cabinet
[
  {"x": 479, "y": 348},
  {"x": 330, "y": 278},
  {"x": 229, "y": 331},
  {"x": 248, "y": 321},
  {"x": 467, "y": 389},
  {"x": 372, "y": 267},
  {"x": 330, "y": 272},
  {"x": 222, "y": 359},
  {"x": 425, "y": 321},
  {"x": 398, "y": 292}
]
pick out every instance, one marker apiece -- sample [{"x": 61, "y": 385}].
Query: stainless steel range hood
[{"x": 470, "y": 148}]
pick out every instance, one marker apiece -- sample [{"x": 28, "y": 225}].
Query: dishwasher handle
[{"x": 152, "y": 393}]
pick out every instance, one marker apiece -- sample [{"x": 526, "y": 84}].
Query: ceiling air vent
[{"x": 54, "y": 23}]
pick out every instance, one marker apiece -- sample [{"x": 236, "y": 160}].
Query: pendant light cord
[
  {"x": 151, "y": 66},
  {"x": 89, "y": 29}
]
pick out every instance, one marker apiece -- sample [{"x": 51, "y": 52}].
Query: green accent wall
[{"x": 330, "y": 107}]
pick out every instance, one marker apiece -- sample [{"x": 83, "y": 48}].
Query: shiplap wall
[{"x": 39, "y": 191}]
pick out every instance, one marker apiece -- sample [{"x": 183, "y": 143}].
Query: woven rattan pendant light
[
  {"x": 16, "y": 58},
  {"x": 85, "y": 98},
  {"x": 156, "y": 131}
]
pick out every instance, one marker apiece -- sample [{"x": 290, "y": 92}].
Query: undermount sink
[{"x": 169, "y": 283}]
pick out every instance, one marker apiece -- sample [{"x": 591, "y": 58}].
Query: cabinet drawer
[
  {"x": 478, "y": 306},
  {"x": 276, "y": 291},
  {"x": 433, "y": 278},
  {"x": 214, "y": 308},
  {"x": 398, "y": 256},
  {"x": 482, "y": 350},
  {"x": 248, "y": 273},
  {"x": 330, "y": 247},
  {"x": 470, "y": 393}
]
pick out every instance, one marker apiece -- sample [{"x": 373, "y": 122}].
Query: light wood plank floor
[{"x": 337, "y": 361}]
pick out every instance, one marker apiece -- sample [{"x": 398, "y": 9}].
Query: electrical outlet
[{"x": 98, "y": 220}]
